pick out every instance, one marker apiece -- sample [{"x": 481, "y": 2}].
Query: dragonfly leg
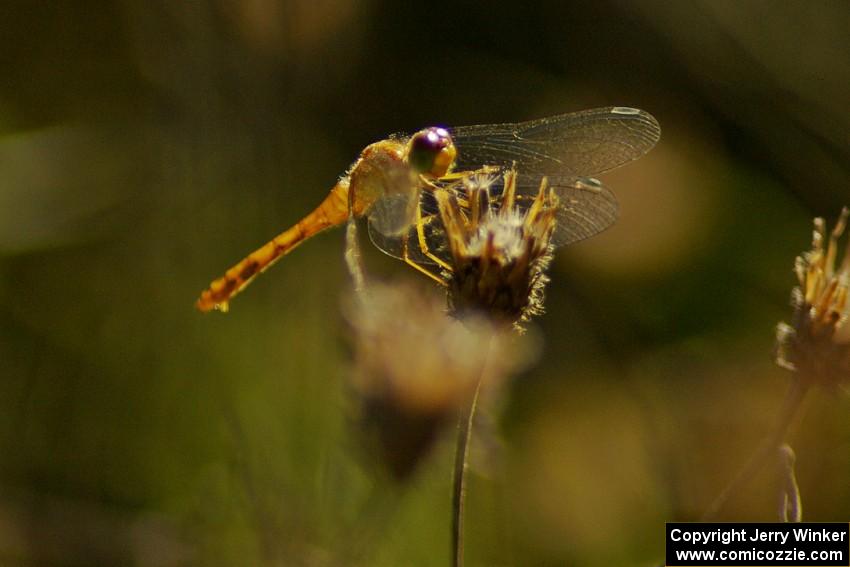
[
  {"x": 455, "y": 179},
  {"x": 423, "y": 244},
  {"x": 458, "y": 175},
  {"x": 406, "y": 257}
]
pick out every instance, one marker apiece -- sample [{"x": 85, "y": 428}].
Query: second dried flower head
[{"x": 816, "y": 344}]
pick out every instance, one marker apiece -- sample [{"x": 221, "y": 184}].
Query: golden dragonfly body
[{"x": 394, "y": 180}]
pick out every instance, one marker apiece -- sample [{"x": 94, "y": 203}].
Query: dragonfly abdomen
[{"x": 331, "y": 212}]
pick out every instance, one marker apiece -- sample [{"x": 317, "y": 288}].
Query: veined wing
[
  {"x": 432, "y": 230},
  {"x": 579, "y": 144},
  {"x": 586, "y": 208}
]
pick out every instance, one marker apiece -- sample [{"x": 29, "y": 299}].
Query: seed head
[
  {"x": 499, "y": 251},
  {"x": 816, "y": 344}
]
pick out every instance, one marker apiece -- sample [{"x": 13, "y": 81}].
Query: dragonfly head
[{"x": 431, "y": 152}]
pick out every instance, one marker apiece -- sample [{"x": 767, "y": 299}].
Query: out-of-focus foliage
[{"x": 147, "y": 144}]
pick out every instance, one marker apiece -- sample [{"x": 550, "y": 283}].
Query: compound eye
[{"x": 431, "y": 152}]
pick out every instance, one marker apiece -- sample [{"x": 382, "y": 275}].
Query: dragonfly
[{"x": 393, "y": 182}]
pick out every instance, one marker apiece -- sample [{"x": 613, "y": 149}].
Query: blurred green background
[{"x": 146, "y": 145}]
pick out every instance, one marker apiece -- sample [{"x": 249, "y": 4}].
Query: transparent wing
[
  {"x": 394, "y": 213},
  {"x": 568, "y": 149},
  {"x": 586, "y": 208},
  {"x": 433, "y": 235},
  {"x": 580, "y": 144}
]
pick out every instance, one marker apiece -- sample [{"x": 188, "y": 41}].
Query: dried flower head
[
  {"x": 499, "y": 251},
  {"x": 816, "y": 344},
  {"x": 415, "y": 367}
]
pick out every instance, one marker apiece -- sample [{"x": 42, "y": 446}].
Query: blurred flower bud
[{"x": 414, "y": 368}]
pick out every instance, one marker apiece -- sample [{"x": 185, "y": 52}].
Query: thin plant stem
[
  {"x": 464, "y": 434},
  {"x": 793, "y": 401},
  {"x": 790, "y": 503}
]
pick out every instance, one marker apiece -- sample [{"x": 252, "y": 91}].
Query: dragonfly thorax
[
  {"x": 383, "y": 185},
  {"x": 380, "y": 171}
]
